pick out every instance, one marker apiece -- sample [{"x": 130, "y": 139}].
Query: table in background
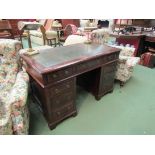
[
  {"x": 55, "y": 72},
  {"x": 134, "y": 39}
]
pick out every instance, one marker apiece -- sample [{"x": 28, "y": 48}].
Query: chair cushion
[
  {"x": 51, "y": 34},
  {"x": 132, "y": 61},
  {"x": 75, "y": 39},
  {"x": 36, "y": 33}
]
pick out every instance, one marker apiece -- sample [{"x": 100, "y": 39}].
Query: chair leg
[
  {"x": 122, "y": 83},
  {"x": 55, "y": 42}
]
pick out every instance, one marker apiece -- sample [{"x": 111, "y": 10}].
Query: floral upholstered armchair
[
  {"x": 13, "y": 90},
  {"x": 126, "y": 64}
]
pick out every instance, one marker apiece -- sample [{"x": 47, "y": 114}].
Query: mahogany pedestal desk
[{"x": 55, "y": 72}]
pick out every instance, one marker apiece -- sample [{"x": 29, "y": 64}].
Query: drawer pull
[
  {"x": 98, "y": 61},
  {"x": 68, "y": 107},
  {"x": 68, "y": 86},
  {"x": 56, "y": 90},
  {"x": 66, "y": 72},
  {"x": 58, "y": 113},
  {"x": 57, "y": 101},
  {"x": 54, "y": 75}
]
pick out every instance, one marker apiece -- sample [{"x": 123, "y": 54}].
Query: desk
[{"x": 55, "y": 72}]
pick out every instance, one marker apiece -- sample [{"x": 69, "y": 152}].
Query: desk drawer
[
  {"x": 63, "y": 112},
  {"x": 65, "y": 86},
  {"x": 61, "y": 74},
  {"x": 88, "y": 65},
  {"x": 110, "y": 67},
  {"x": 109, "y": 77},
  {"x": 62, "y": 100}
]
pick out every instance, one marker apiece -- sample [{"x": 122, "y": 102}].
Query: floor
[{"x": 128, "y": 110}]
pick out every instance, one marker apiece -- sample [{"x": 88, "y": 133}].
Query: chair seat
[{"x": 36, "y": 33}]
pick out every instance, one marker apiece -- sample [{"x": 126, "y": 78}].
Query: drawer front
[
  {"x": 63, "y": 112},
  {"x": 82, "y": 67},
  {"x": 110, "y": 67},
  {"x": 87, "y": 65},
  {"x": 111, "y": 57},
  {"x": 62, "y": 100},
  {"x": 109, "y": 77},
  {"x": 61, "y": 74},
  {"x": 97, "y": 62},
  {"x": 62, "y": 87}
]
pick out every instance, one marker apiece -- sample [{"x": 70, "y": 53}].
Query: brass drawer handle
[
  {"x": 68, "y": 107},
  {"x": 54, "y": 75},
  {"x": 68, "y": 86},
  {"x": 57, "y": 101},
  {"x": 56, "y": 90},
  {"x": 58, "y": 112},
  {"x": 98, "y": 61},
  {"x": 66, "y": 72}
]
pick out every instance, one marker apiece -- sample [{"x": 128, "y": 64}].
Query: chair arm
[
  {"x": 132, "y": 61},
  {"x": 18, "y": 94},
  {"x": 13, "y": 106}
]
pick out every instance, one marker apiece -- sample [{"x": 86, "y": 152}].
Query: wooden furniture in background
[
  {"x": 65, "y": 22},
  {"x": 55, "y": 72},
  {"x": 50, "y": 41},
  {"x": 137, "y": 40},
  {"x": 6, "y": 29},
  {"x": 14, "y": 25},
  {"x": 121, "y": 24}
]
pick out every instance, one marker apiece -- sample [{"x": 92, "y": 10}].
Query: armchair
[
  {"x": 38, "y": 36},
  {"x": 126, "y": 64},
  {"x": 70, "y": 29},
  {"x": 14, "y": 118}
]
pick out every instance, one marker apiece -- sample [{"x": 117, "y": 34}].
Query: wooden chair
[
  {"x": 45, "y": 38},
  {"x": 6, "y": 30}
]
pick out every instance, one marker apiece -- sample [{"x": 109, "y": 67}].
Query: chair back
[
  {"x": 43, "y": 31},
  {"x": 48, "y": 24},
  {"x": 70, "y": 29},
  {"x": 9, "y": 49}
]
